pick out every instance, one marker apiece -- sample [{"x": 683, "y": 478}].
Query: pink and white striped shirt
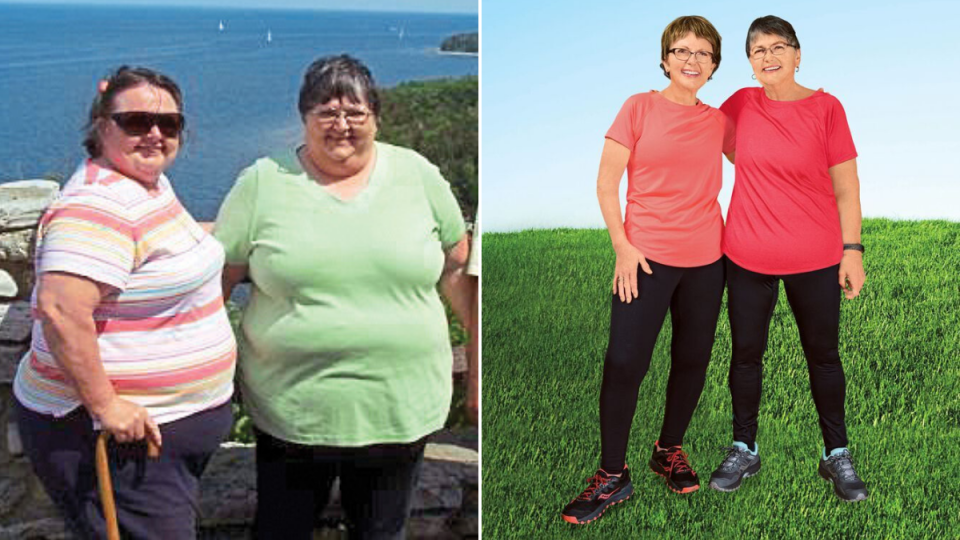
[{"x": 165, "y": 341}]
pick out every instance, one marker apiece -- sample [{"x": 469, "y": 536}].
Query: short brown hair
[
  {"x": 124, "y": 78},
  {"x": 680, "y": 27}
]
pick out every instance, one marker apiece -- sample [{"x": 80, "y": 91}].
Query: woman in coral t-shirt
[
  {"x": 794, "y": 216},
  {"x": 668, "y": 257}
]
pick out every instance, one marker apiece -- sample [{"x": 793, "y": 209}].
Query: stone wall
[{"x": 445, "y": 502}]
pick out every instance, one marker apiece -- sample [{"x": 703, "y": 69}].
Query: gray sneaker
[
  {"x": 838, "y": 469},
  {"x": 740, "y": 463}
]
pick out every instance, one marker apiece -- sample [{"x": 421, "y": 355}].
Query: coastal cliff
[{"x": 467, "y": 43}]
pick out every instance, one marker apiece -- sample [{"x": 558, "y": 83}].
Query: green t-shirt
[{"x": 344, "y": 341}]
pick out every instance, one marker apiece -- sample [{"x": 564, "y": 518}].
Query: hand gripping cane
[{"x": 106, "y": 485}]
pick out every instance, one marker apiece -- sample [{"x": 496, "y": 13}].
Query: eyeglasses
[
  {"x": 703, "y": 57},
  {"x": 328, "y": 117},
  {"x": 776, "y": 50},
  {"x": 137, "y": 123}
]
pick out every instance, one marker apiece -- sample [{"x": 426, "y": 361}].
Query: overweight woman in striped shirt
[{"x": 130, "y": 334}]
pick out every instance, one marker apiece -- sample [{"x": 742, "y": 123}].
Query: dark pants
[
  {"x": 294, "y": 482},
  {"x": 814, "y": 298},
  {"x": 693, "y": 296},
  {"x": 155, "y": 499}
]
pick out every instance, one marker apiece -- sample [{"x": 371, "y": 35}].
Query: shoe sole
[
  {"x": 670, "y": 484},
  {"x": 730, "y": 489},
  {"x": 836, "y": 490},
  {"x": 599, "y": 513}
]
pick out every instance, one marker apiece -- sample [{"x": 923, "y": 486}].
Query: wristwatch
[{"x": 855, "y": 247}]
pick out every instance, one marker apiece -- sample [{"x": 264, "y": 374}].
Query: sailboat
[
  {"x": 221, "y": 26},
  {"x": 269, "y": 36}
]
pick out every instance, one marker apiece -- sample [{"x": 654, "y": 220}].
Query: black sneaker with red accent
[
  {"x": 671, "y": 463},
  {"x": 604, "y": 490}
]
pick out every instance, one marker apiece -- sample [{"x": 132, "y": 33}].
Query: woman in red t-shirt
[
  {"x": 794, "y": 216},
  {"x": 668, "y": 257}
]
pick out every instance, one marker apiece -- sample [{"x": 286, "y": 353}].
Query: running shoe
[
  {"x": 672, "y": 464},
  {"x": 740, "y": 463},
  {"x": 838, "y": 469},
  {"x": 603, "y": 490}
]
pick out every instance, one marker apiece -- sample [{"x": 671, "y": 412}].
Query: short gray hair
[
  {"x": 338, "y": 77},
  {"x": 774, "y": 26}
]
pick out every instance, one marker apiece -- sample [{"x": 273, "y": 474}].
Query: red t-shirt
[
  {"x": 673, "y": 178},
  {"x": 783, "y": 216}
]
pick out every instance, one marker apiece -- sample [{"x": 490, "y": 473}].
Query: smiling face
[
  {"x": 689, "y": 74},
  {"x": 770, "y": 69},
  {"x": 340, "y": 145},
  {"x": 140, "y": 157}
]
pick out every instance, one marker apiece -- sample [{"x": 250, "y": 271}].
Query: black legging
[
  {"x": 815, "y": 300},
  {"x": 693, "y": 296}
]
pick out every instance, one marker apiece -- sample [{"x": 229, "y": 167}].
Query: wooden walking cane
[{"x": 106, "y": 485}]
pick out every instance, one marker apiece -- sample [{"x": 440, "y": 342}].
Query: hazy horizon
[{"x": 463, "y": 7}]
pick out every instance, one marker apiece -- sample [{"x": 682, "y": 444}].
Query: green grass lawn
[{"x": 546, "y": 309}]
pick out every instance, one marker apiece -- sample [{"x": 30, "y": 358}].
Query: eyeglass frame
[
  {"x": 710, "y": 59},
  {"x": 753, "y": 53},
  {"x": 340, "y": 113}
]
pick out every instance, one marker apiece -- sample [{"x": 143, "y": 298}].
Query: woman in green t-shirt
[{"x": 345, "y": 358}]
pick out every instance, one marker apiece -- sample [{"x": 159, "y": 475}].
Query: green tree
[{"x": 439, "y": 119}]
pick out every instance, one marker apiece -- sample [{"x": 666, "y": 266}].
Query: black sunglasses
[{"x": 137, "y": 123}]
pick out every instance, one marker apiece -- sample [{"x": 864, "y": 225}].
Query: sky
[
  {"x": 553, "y": 80},
  {"x": 422, "y": 6}
]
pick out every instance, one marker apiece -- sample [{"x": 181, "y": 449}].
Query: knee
[
  {"x": 747, "y": 356},
  {"x": 691, "y": 360},
  {"x": 624, "y": 365},
  {"x": 748, "y": 347},
  {"x": 824, "y": 358}
]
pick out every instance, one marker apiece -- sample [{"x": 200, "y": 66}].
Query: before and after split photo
[{"x": 242, "y": 293}]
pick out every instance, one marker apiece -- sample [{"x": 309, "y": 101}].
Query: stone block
[
  {"x": 22, "y": 498},
  {"x": 14, "y": 444},
  {"x": 10, "y": 356},
  {"x": 23, "y": 203},
  {"x": 50, "y": 528},
  {"x": 12, "y": 492},
  {"x": 22, "y": 275},
  {"x": 8, "y": 285},
  {"x": 16, "y": 321},
  {"x": 17, "y": 246},
  {"x": 452, "y": 453},
  {"x": 228, "y": 488},
  {"x": 460, "y": 365}
]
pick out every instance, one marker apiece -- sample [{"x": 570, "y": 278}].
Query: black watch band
[{"x": 855, "y": 247}]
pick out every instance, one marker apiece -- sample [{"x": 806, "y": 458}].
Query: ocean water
[{"x": 240, "y": 90}]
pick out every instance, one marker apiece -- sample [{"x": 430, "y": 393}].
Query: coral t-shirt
[
  {"x": 673, "y": 178},
  {"x": 783, "y": 216}
]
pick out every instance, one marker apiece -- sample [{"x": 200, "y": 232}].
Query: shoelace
[
  {"x": 734, "y": 455},
  {"x": 843, "y": 463},
  {"x": 596, "y": 482},
  {"x": 678, "y": 460}
]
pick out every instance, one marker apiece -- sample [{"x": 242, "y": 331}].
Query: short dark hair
[
  {"x": 679, "y": 28},
  {"x": 123, "y": 78},
  {"x": 774, "y": 26},
  {"x": 338, "y": 77}
]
